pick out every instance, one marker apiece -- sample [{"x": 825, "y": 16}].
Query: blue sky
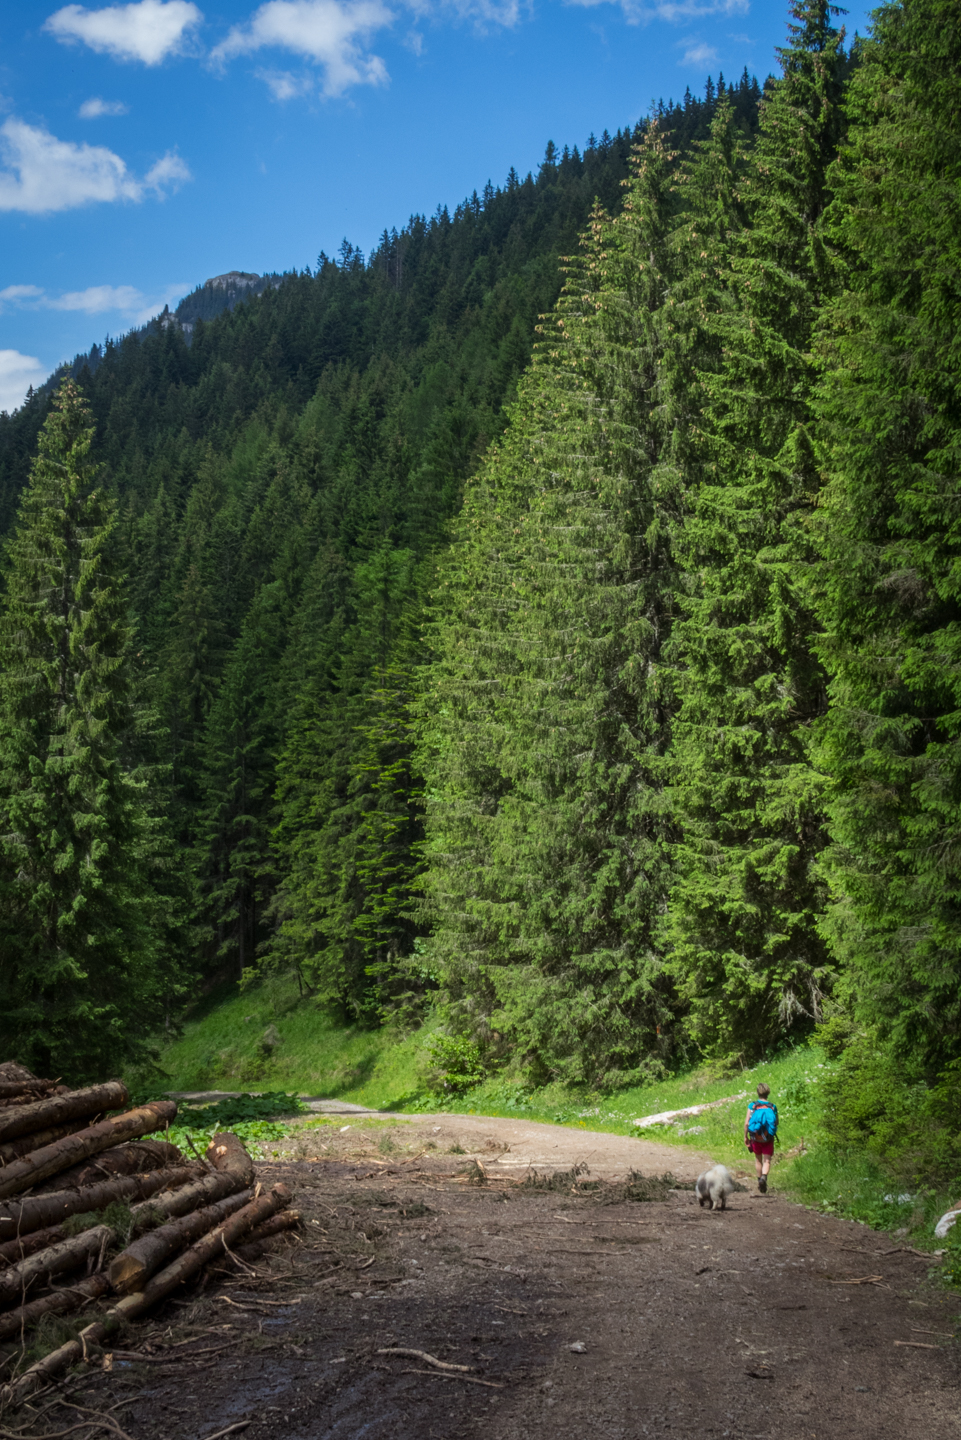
[{"x": 146, "y": 147}]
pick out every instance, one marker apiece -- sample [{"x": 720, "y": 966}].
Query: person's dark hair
[{"x": 763, "y": 1090}]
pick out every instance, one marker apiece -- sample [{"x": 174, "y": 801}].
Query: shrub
[{"x": 458, "y": 1064}]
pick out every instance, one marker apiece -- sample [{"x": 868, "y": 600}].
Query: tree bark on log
[
  {"x": 13, "y": 1149},
  {"x": 13, "y": 1251},
  {"x": 131, "y": 1306},
  {"x": 13, "y": 1074},
  {"x": 255, "y": 1244},
  {"x": 17, "y": 1279},
  {"x": 76, "y": 1104},
  {"x": 20, "y": 1175},
  {"x": 206, "y": 1191},
  {"x": 227, "y": 1154},
  {"x": 137, "y": 1159},
  {"x": 58, "y": 1302},
  {"x": 23, "y": 1217},
  {"x": 131, "y": 1269}
]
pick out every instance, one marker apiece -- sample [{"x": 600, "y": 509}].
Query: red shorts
[{"x": 761, "y": 1147}]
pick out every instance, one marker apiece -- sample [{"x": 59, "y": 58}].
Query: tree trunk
[
  {"x": 23, "y": 1217},
  {"x": 190, "y": 1197},
  {"x": 130, "y": 1270},
  {"x": 59, "y": 1302},
  {"x": 13, "y": 1149},
  {"x": 256, "y": 1242},
  {"x": 18, "y": 1092},
  {"x": 131, "y": 1306},
  {"x": 42, "y": 1114},
  {"x": 17, "y": 1279},
  {"x": 227, "y": 1154},
  {"x": 136, "y": 1159},
  {"x": 13, "y": 1251},
  {"x": 20, "y": 1175}
]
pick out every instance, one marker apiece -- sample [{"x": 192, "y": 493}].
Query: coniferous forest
[{"x": 550, "y": 620}]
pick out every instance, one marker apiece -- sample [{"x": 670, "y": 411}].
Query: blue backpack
[{"x": 762, "y": 1120}]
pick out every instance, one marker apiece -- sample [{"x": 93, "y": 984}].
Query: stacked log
[{"x": 72, "y": 1153}]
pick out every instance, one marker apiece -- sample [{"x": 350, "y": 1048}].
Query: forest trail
[{"x": 577, "y": 1310}]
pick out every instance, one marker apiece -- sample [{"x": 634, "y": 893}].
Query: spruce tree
[
  {"x": 547, "y": 707},
  {"x": 746, "y": 951},
  {"x": 82, "y": 966},
  {"x": 889, "y": 416}
]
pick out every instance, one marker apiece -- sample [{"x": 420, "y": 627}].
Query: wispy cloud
[
  {"x": 148, "y": 31},
  {"x": 674, "y": 11},
  {"x": 333, "y": 34},
  {"x": 133, "y": 306},
  {"x": 284, "y": 85},
  {"x": 94, "y": 108},
  {"x": 17, "y": 373},
  {"x": 40, "y": 174},
  {"x": 485, "y": 13},
  {"x": 16, "y": 293},
  {"x": 699, "y": 55}
]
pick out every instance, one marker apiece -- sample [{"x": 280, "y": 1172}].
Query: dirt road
[{"x": 579, "y": 1307}]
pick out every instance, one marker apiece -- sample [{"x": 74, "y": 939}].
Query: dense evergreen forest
[{"x": 550, "y": 619}]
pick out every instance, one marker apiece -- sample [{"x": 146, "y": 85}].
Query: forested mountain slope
[
  {"x": 605, "y": 701},
  {"x": 282, "y": 477}
]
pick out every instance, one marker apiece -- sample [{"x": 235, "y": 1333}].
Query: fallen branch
[
  {"x": 230, "y": 1430},
  {"x": 917, "y": 1345},
  {"x": 862, "y": 1280},
  {"x": 76, "y": 1104},
  {"x": 471, "y": 1379},
  {"x": 20, "y": 1175},
  {"x": 422, "y": 1355}
]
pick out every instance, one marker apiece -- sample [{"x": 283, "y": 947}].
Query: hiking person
[{"x": 760, "y": 1129}]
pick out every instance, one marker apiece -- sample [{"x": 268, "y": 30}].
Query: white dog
[{"x": 715, "y": 1186}]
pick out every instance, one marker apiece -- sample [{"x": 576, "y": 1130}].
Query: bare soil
[{"x": 580, "y": 1308}]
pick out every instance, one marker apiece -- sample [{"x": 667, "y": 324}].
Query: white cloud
[
  {"x": 93, "y": 109},
  {"x": 640, "y": 11},
  {"x": 13, "y": 293},
  {"x": 285, "y": 86},
  {"x": 506, "y": 13},
  {"x": 331, "y": 33},
  {"x": 17, "y": 373},
  {"x": 168, "y": 173},
  {"x": 40, "y": 174},
  {"x": 699, "y": 55},
  {"x": 148, "y": 31},
  {"x": 124, "y": 300}
]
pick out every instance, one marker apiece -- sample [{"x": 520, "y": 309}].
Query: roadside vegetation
[{"x": 839, "y": 1149}]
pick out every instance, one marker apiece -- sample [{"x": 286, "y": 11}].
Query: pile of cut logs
[{"x": 65, "y": 1157}]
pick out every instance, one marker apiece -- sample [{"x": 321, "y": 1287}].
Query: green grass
[{"x": 222, "y": 1048}]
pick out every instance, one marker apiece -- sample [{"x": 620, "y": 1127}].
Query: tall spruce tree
[
  {"x": 746, "y": 952},
  {"x": 83, "y": 971},
  {"x": 547, "y": 708},
  {"x": 889, "y": 414}
]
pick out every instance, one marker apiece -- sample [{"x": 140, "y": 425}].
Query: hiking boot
[{"x": 762, "y": 1184}]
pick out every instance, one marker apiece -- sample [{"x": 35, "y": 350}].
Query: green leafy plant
[{"x": 458, "y": 1064}]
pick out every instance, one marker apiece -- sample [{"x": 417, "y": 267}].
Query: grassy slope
[{"x": 222, "y": 1048}]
